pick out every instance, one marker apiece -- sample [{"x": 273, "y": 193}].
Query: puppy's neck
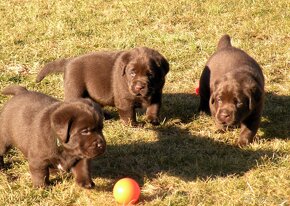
[{"x": 64, "y": 160}]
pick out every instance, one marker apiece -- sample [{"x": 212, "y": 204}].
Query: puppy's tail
[
  {"x": 224, "y": 42},
  {"x": 52, "y": 67},
  {"x": 14, "y": 90}
]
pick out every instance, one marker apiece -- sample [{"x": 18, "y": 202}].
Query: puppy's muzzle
[
  {"x": 139, "y": 88},
  {"x": 225, "y": 117},
  {"x": 98, "y": 147}
]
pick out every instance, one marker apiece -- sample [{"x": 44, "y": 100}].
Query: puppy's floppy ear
[
  {"x": 255, "y": 94},
  {"x": 61, "y": 121},
  {"x": 162, "y": 63},
  {"x": 213, "y": 96},
  {"x": 123, "y": 62},
  {"x": 211, "y": 104}
]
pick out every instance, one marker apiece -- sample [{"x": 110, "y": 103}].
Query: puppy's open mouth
[{"x": 140, "y": 94}]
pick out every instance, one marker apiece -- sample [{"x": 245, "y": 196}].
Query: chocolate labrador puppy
[
  {"x": 52, "y": 134},
  {"x": 125, "y": 79},
  {"x": 232, "y": 90}
]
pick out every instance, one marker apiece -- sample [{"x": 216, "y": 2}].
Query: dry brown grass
[{"x": 183, "y": 161}]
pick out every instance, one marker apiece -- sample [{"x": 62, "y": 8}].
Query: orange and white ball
[{"x": 126, "y": 191}]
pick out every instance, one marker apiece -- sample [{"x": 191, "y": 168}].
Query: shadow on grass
[
  {"x": 177, "y": 153},
  {"x": 276, "y": 114},
  {"x": 180, "y": 106},
  {"x": 276, "y": 117}
]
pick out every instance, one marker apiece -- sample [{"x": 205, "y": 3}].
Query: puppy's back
[
  {"x": 14, "y": 90},
  {"x": 21, "y": 116},
  {"x": 24, "y": 106},
  {"x": 228, "y": 58},
  {"x": 27, "y": 99}
]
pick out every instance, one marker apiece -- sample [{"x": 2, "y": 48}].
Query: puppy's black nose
[
  {"x": 225, "y": 115},
  {"x": 139, "y": 86},
  {"x": 100, "y": 144}
]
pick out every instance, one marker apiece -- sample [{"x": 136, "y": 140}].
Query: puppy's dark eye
[
  {"x": 150, "y": 75},
  {"x": 86, "y": 132},
  {"x": 132, "y": 73},
  {"x": 238, "y": 103}
]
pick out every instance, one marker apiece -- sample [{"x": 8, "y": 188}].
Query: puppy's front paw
[
  {"x": 220, "y": 131},
  {"x": 88, "y": 184},
  {"x": 137, "y": 124},
  {"x": 132, "y": 123},
  {"x": 245, "y": 138},
  {"x": 241, "y": 142},
  {"x": 40, "y": 183},
  {"x": 153, "y": 120},
  {"x": 204, "y": 111}
]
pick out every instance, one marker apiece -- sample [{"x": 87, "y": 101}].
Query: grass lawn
[{"x": 184, "y": 161}]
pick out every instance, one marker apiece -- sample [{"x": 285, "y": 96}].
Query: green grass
[{"x": 183, "y": 161}]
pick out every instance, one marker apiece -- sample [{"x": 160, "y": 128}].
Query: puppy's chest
[
  {"x": 61, "y": 163},
  {"x": 141, "y": 102},
  {"x": 59, "y": 166},
  {"x": 55, "y": 163},
  {"x": 108, "y": 101}
]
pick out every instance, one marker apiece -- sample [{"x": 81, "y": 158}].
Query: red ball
[
  {"x": 126, "y": 191},
  {"x": 197, "y": 90}
]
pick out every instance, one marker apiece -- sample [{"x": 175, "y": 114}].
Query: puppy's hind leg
[
  {"x": 74, "y": 89},
  {"x": 3, "y": 150}
]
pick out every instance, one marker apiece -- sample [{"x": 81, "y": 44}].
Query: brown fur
[
  {"x": 52, "y": 134},
  {"x": 232, "y": 90},
  {"x": 125, "y": 79}
]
